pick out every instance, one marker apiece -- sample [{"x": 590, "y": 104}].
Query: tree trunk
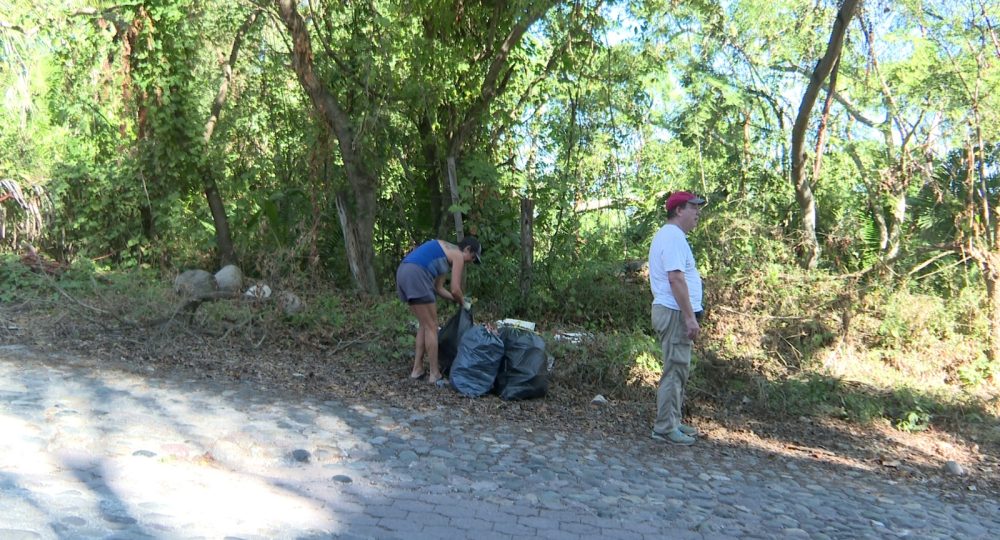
[
  {"x": 355, "y": 207},
  {"x": 453, "y": 184},
  {"x": 223, "y": 238},
  {"x": 527, "y": 246},
  {"x": 991, "y": 272},
  {"x": 357, "y": 240},
  {"x": 803, "y": 185},
  {"x": 871, "y": 192},
  {"x": 824, "y": 119},
  {"x": 133, "y": 93},
  {"x": 495, "y": 80},
  {"x": 429, "y": 216},
  {"x": 895, "y": 228},
  {"x": 745, "y": 158},
  {"x": 493, "y": 85}
]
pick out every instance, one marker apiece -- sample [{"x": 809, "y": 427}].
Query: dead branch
[{"x": 52, "y": 283}]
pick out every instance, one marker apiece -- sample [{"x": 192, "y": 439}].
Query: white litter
[{"x": 526, "y": 325}]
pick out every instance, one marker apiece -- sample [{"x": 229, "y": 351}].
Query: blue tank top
[{"x": 431, "y": 256}]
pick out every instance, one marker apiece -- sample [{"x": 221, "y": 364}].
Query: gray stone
[
  {"x": 229, "y": 279},
  {"x": 954, "y": 468},
  {"x": 18, "y": 534},
  {"x": 194, "y": 283},
  {"x": 289, "y": 303}
]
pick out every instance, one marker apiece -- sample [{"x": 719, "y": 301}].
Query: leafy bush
[
  {"x": 17, "y": 281},
  {"x": 909, "y": 321},
  {"x": 619, "y": 365}
]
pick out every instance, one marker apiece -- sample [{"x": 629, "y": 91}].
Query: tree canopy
[{"x": 334, "y": 136}]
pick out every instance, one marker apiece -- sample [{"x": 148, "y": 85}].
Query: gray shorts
[{"x": 414, "y": 284}]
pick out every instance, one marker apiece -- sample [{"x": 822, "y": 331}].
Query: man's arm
[{"x": 679, "y": 288}]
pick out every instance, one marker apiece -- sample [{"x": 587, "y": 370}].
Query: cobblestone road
[{"x": 87, "y": 452}]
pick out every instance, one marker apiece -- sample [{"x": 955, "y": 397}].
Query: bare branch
[
  {"x": 844, "y": 102},
  {"x": 492, "y": 83},
  {"x": 227, "y": 75}
]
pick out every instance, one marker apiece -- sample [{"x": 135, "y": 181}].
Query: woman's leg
[
  {"x": 418, "y": 357},
  {"x": 427, "y": 315},
  {"x": 418, "y": 354},
  {"x": 427, "y": 343}
]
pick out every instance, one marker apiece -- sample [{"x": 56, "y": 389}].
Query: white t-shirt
[{"x": 671, "y": 251}]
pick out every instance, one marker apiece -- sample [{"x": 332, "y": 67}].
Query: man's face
[{"x": 687, "y": 216}]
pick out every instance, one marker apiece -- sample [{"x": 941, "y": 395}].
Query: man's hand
[{"x": 692, "y": 328}]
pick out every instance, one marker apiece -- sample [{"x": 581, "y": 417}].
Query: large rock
[
  {"x": 229, "y": 279},
  {"x": 194, "y": 283}
]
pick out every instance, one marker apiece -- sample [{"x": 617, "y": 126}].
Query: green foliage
[
  {"x": 909, "y": 321},
  {"x": 17, "y": 282},
  {"x": 813, "y": 394},
  {"x": 978, "y": 372},
  {"x": 325, "y": 310},
  {"x": 916, "y": 420},
  {"x": 592, "y": 121},
  {"x": 619, "y": 365},
  {"x": 914, "y": 411}
]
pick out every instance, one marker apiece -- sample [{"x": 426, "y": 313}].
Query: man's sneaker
[
  {"x": 690, "y": 431},
  {"x": 673, "y": 437}
]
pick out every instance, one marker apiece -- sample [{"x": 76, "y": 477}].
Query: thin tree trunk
[
  {"x": 356, "y": 207},
  {"x": 493, "y": 84},
  {"x": 223, "y": 237},
  {"x": 899, "y": 206},
  {"x": 987, "y": 256},
  {"x": 132, "y": 93},
  {"x": 991, "y": 237},
  {"x": 824, "y": 119},
  {"x": 873, "y": 200},
  {"x": 495, "y": 80},
  {"x": 431, "y": 214},
  {"x": 745, "y": 158},
  {"x": 803, "y": 186},
  {"x": 527, "y": 246},
  {"x": 357, "y": 241},
  {"x": 453, "y": 184},
  {"x": 991, "y": 272}
]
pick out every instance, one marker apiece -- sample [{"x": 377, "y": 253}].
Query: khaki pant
[{"x": 671, "y": 332}]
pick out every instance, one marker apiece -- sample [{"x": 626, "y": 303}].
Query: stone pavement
[{"x": 90, "y": 452}]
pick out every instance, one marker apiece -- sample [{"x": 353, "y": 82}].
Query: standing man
[{"x": 677, "y": 294}]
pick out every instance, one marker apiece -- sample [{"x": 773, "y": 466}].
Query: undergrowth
[{"x": 775, "y": 343}]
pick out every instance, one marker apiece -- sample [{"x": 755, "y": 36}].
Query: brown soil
[{"x": 350, "y": 369}]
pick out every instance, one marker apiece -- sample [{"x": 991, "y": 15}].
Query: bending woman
[{"x": 419, "y": 277}]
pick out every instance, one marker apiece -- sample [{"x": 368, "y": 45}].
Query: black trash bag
[
  {"x": 450, "y": 335},
  {"x": 524, "y": 370},
  {"x": 477, "y": 363}
]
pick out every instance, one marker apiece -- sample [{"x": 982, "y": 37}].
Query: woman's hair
[
  {"x": 475, "y": 247},
  {"x": 470, "y": 241}
]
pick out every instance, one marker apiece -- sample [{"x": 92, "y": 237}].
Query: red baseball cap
[{"x": 680, "y": 197}]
